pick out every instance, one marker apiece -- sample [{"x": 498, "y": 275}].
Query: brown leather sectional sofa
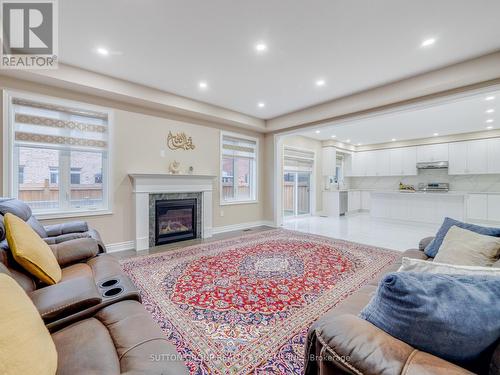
[
  {"x": 94, "y": 314},
  {"x": 342, "y": 343}
]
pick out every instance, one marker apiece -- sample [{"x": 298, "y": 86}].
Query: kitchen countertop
[{"x": 450, "y": 192}]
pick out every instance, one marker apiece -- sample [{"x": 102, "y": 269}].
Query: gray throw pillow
[{"x": 419, "y": 265}]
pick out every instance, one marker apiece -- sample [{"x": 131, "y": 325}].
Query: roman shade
[
  {"x": 298, "y": 159},
  {"x": 56, "y": 126},
  {"x": 238, "y": 147}
]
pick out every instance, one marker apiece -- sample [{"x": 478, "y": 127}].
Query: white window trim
[
  {"x": 9, "y": 171},
  {"x": 222, "y": 202}
]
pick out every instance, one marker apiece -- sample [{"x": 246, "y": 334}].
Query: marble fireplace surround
[{"x": 153, "y": 185}]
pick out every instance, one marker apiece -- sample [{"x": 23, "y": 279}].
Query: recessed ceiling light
[
  {"x": 347, "y": 141},
  {"x": 393, "y": 139},
  {"x": 261, "y": 104},
  {"x": 428, "y": 42},
  {"x": 334, "y": 136},
  {"x": 320, "y": 82},
  {"x": 490, "y": 110},
  {"x": 489, "y": 127},
  {"x": 359, "y": 144},
  {"x": 488, "y": 98},
  {"x": 203, "y": 85},
  {"x": 489, "y": 121},
  {"x": 317, "y": 131},
  {"x": 435, "y": 134},
  {"x": 102, "y": 51},
  {"x": 261, "y": 47}
]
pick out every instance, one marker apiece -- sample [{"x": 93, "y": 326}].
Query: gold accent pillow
[
  {"x": 25, "y": 343},
  {"x": 30, "y": 251}
]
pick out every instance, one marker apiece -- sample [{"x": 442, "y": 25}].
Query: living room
[{"x": 250, "y": 188}]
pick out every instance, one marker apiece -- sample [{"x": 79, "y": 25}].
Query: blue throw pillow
[
  {"x": 432, "y": 249},
  {"x": 455, "y": 317}
]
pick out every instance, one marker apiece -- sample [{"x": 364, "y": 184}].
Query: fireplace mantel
[{"x": 145, "y": 184}]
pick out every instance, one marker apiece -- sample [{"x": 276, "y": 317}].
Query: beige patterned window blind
[{"x": 43, "y": 124}]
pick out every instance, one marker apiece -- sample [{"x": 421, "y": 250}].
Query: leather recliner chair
[
  {"x": 52, "y": 234},
  {"x": 90, "y": 280},
  {"x": 120, "y": 338}
]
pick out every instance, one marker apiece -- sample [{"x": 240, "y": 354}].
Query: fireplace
[{"x": 175, "y": 220}]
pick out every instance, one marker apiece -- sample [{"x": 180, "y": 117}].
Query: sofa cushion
[
  {"x": 25, "y": 344},
  {"x": 439, "y": 313},
  {"x": 467, "y": 248},
  {"x": 417, "y": 265},
  {"x": 36, "y": 226},
  {"x": 121, "y": 338},
  {"x": 15, "y": 207},
  {"x": 30, "y": 251},
  {"x": 432, "y": 249},
  {"x": 86, "y": 347}
]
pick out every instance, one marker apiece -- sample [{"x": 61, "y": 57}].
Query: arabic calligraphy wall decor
[{"x": 179, "y": 141}]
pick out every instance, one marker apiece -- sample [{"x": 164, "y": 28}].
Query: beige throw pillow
[
  {"x": 467, "y": 248},
  {"x": 419, "y": 265}
]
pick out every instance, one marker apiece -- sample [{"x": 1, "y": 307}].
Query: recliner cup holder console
[
  {"x": 108, "y": 283},
  {"x": 113, "y": 292}
]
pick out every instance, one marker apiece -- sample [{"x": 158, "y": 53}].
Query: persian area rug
[{"x": 243, "y": 305}]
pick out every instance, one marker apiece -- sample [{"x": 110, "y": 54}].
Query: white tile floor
[{"x": 362, "y": 228}]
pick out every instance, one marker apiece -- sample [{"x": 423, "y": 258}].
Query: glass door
[{"x": 296, "y": 193}]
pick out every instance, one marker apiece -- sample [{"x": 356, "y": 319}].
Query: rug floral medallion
[{"x": 243, "y": 305}]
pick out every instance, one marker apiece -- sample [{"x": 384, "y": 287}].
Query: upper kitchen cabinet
[
  {"x": 403, "y": 161},
  {"x": 329, "y": 160},
  {"x": 430, "y": 153},
  {"x": 493, "y": 149},
  {"x": 471, "y": 157},
  {"x": 358, "y": 164},
  {"x": 382, "y": 163}
]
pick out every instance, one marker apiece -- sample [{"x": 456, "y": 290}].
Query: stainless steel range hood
[{"x": 433, "y": 165}]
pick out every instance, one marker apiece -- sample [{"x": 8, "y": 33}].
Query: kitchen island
[{"x": 425, "y": 207}]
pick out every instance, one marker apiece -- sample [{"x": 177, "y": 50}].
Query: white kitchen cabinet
[
  {"x": 353, "y": 201},
  {"x": 382, "y": 163},
  {"x": 493, "y": 150},
  {"x": 371, "y": 163},
  {"x": 358, "y": 164},
  {"x": 458, "y": 158},
  {"x": 494, "y": 207},
  {"x": 430, "y": 153},
  {"x": 477, "y": 157},
  {"x": 469, "y": 157},
  {"x": 331, "y": 203},
  {"x": 403, "y": 161},
  {"x": 477, "y": 206},
  {"x": 366, "y": 200},
  {"x": 328, "y": 161}
]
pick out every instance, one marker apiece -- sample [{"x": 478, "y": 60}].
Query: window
[
  {"x": 61, "y": 152},
  {"x": 54, "y": 175},
  {"x": 20, "y": 177},
  {"x": 238, "y": 168},
  {"x": 75, "y": 176}
]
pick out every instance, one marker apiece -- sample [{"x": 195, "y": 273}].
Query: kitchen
[{"x": 414, "y": 166}]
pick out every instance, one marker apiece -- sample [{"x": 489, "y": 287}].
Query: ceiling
[
  {"x": 172, "y": 45},
  {"x": 466, "y": 115}
]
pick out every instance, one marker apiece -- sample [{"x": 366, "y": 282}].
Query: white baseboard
[
  {"x": 120, "y": 246},
  {"x": 241, "y": 226}
]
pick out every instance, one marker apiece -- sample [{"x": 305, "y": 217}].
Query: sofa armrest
[
  {"x": 75, "y": 250},
  {"x": 424, "y": 242},
  {"x": 346, "y": 343},
  {"x": 58, "y": 301},
  {"x": 65, "y": 228}
]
